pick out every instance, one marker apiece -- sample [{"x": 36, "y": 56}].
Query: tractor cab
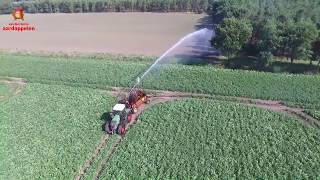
[
  {"x": 118, "y": 109},
  {"x": 119, "y": 118}
]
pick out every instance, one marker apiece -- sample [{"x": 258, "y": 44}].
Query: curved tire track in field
[
  {"x": 103, "y": 141},
  {"x": 104, "y": 162},
  {"x": 276, "y": 106},
  {"x": 16, "y": 86}
]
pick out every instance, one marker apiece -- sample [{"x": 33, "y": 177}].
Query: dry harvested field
[{"x": 124, "y": 33}]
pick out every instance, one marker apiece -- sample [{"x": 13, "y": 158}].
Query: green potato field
[
  {"x": 52, "y": 127},
  {"x": 49, "y": 131},
  {"x": 183, "y": 140}
]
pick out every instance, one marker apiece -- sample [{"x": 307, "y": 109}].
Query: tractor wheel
[
  {"x": 122, "y": 129},
  {"x": 107, "y": 128},
  {"x": 130, "y": 118}
]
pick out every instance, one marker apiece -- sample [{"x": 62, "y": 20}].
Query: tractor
[
  {"x": 136, "y": 99},
  {"x": 123, "y": 112}
]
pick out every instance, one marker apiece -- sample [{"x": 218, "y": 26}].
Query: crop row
[
  {"x": 301, "y": 89},
  {"x": 184, "y": 140},
  {"x": 314, "y": 113},
  {"x": 49, "y": 131}
]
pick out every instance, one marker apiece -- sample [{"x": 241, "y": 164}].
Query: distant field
[
  {"x": 183, "y": 140},
  {"x": 125, "y": 33}
]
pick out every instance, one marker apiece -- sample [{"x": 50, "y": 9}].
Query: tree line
[
  {"x": 268, "y": 28},
  {"x": 79, "y": 6}
]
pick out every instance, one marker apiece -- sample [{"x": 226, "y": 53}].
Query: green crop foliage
[
  {"x": 314, "y": 113},
  {"x": 208, "y": 80},
  {"x": 67, "y": 70},
  {"x": 49, "y": 131},
  {"x": 199, "y": 139},
  {"x": 4, "y": 90},
  {"x": 301, "y": 89}
]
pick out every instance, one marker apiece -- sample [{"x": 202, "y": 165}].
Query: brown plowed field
[{"x": 123, "y": 33}]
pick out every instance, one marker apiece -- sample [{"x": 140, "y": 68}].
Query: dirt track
[
  {"x": 124, "y": 33},
  {"x": 277, "y": 106},
  {"x": 16, "y": 86}
]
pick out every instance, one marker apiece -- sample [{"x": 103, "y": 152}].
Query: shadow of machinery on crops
[
  {"x": 276, "y": 66},
  {"x": 105, "y": 118}
]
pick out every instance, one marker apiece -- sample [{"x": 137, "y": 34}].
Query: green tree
[
  {"x": 77, "y": 7},
  {"x": 29, "y": 7},
  {"x": 45, "y": 7},
  {"x": 298, "y": 38},
  {"x": 85, "y": 6},
  {"x": 269, "y": 37},
  {"x": 98, "y": 6},
  {"x": 232, "y": 35},
  {"x": 55, "y": 7},
  {"x": 65, "y": 7},
  {"x": 316, "y": 51},
  {"x": 203, "y": 4},
  {"x": 265, "y": 58},
  {"x": 5, "y": 6}
]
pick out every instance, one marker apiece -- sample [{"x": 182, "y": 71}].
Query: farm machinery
[{"x": 124, "y": 112}]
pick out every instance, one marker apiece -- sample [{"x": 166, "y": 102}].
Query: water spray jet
[{"x": 206, "y": 33}]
